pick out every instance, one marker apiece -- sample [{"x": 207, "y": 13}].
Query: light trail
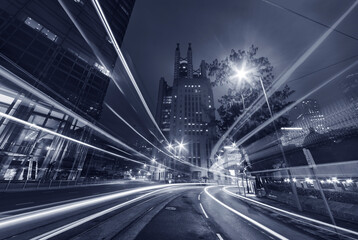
[
  {"x": 259, "y": 225},
  {"x": 79, "y": 222},
  {"x": 65, "y": 208},
  {"x": 29, "y": 88},
  {"x": 126, "y": 67},
  {"x": 281, "y": 80},
  {"x": 31, "y": 125},
  {"x": 289, "y": 213},
  {"x": 292, "y": 105},
  {"x": 279, "y": 114},
  {"x": 131, "y": 127},
  {"x": 128, "y": 71},
  {"x": 138, "y": 133},
  {"x": 96, "y": 51},
  {"x": 307, "y": 166}
]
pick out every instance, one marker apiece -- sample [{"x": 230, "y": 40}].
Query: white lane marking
[
  {"x": 206, "y": 215},
  {"x": 219, "y": 236},
  {"x": 199, "y": 197},
  {"x": 289, "y": 213},
  {"x": 268, "y": 230},
  {"x": 19, "y": 204}
]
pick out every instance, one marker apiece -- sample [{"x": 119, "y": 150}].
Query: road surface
[{"x": 178, "y": 211}]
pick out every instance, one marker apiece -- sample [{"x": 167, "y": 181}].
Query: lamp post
[{"x": 242, "y": 74}]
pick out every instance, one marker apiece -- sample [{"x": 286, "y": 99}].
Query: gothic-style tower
[
  {"x": 192, "y": 113},
  {"x": 203, "y": 69},
  {"x": 189, "y": 57},
  {"x": 176, "y": 62}
]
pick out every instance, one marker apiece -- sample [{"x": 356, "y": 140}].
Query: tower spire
[
  {"x": 190, "y": 61},
  {"x": 176, "y": 62},
  {"x": 203, "y": 69}
]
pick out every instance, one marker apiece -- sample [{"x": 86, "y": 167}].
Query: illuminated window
[
  {"x": 6, "y": 99},
  {"x": 38, "y": 27}
]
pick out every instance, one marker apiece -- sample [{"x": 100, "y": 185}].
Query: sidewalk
[{"x": 310, "y": 207}]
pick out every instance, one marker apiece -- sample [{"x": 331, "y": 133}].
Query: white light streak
[
  {"x": 138, "y": 133},
  {"x": 292, "y": 128},
  {"x": 24, "y": 85},
  {"x": 79, "y": 222},
  {"x": 69, "y": 207},
  {"x": 31, "y": 125},
  {"x": 126, "y": 67},
  {"x": 266, "y": 229},
  {"x": 50, "y": 212}
]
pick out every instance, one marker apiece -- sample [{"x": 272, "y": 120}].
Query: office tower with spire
[{"x": 192, "y": 113}]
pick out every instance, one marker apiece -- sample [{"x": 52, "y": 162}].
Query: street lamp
[
  {"x": 242, "y": 74},
  {"x": 181, "y": 146}
]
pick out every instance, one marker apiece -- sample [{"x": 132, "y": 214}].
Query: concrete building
[
  {"x": 42, "y": 46},
  {"x": 192, "y": 113}
]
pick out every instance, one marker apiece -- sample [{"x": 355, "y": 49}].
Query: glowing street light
[
  {"x": 181, "y": 145},
  {"x": 153, "y": 159},
  {"x": 241, "y": 74}
]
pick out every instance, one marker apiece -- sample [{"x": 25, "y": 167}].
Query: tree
[{"x": 243, "y": 92}]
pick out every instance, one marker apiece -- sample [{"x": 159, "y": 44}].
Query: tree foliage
[{"x": 241, "y": 93}]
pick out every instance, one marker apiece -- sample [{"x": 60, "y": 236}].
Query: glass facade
[{"x": 47, "y": 64}]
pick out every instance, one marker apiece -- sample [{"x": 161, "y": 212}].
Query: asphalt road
[
  {"x": 24, "y": 199},
  {"x": 152, "y": 212}
]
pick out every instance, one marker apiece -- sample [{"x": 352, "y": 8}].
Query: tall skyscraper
[
  {"x": 192, "y": 113},
  {"x": 56, "y": 47},
  {"x": 306, "y": 116},
  {"x": 164, "y": 104}
]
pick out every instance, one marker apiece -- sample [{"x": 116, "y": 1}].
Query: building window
[{"x": 38, "y": 27}]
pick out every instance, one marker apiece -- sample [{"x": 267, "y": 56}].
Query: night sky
[{"x": 215, "y": 27}]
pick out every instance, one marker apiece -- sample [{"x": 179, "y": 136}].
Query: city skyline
[{"x": 181, "y": 119}]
